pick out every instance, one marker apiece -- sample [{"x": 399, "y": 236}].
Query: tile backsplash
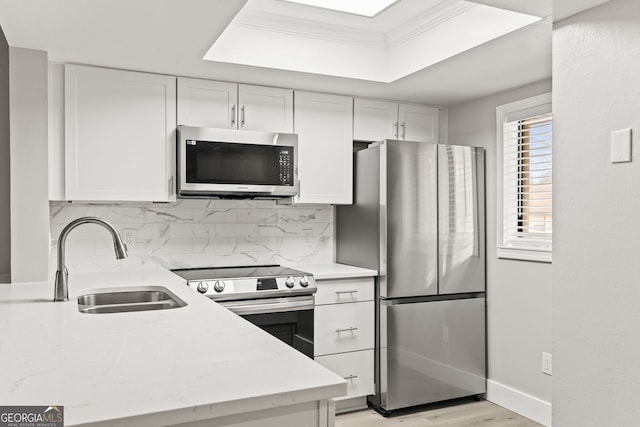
[{"x": 195, "y": 233}]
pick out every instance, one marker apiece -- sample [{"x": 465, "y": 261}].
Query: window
[{"x": 525, "y": 135}]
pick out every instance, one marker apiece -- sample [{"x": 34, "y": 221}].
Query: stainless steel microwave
[{"x": 236, "y": 163}]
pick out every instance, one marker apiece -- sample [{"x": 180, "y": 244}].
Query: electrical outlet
[
  {"x": 129, "y": 236},
  {"x": 307, "y": 237},
  {"x": 546, "y": 364}
]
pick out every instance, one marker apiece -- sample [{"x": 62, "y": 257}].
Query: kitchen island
[{"x": 195, "y": 365}]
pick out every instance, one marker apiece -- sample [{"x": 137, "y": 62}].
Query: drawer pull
[
  {"x": 346, "y": 292},
  {"x": 351, "y": 329},
  {"x": 351, "y": 377}
]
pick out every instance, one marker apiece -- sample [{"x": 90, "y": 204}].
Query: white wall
[
  {"x": 5, "y": 212},
  {"x": 596, "y": 267},
  {"x": 518, "y": 292},
  {"x": 29, "y": 165}
]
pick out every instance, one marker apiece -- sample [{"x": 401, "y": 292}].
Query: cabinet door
[
  {"x": 418, "y": 123},
  {"x": 356, "y": 367},
  {"x": 324, "y": 124},
  {"x": 265, "y": 109},
  {"x": 207, "y": 103},
  {"x": 119, "y": 135},
  {"x": 339, "y": 328},
  {"x": 374, "y": 120},
  {"x": 341, "y": 291}
]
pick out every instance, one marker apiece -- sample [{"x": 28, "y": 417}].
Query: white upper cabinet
[
  {"x": 215, "y": 104},
  {"x": 376, "y": 120},
  {"x": 418, "y": 123},
  {"x": 324, "y": 124},
  {"x": 119, "y": 135},
  {"x": 265, "y": 108},
  {"x": 207, "y": 103}
]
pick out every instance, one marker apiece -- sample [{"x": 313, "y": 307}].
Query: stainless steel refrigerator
[{"x": 418, "y": 218}]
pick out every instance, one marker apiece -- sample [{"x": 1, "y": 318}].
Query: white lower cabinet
[
  {"x": 356, "y": 367},
  {"x": 344, "y": 327},
  {"x": 344, "y": 331}
]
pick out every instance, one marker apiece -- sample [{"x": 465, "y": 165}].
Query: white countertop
[
  {"x": 336, "y": 271},
  {"x": 145, "y": 368}
]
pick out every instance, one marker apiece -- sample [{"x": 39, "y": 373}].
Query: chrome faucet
[{"x": 61, "y": 289}]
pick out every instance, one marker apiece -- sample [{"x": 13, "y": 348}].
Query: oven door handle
[{"x": 270, "y": 305}]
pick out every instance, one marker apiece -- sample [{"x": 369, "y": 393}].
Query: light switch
[{"x": 621, "y": 146}]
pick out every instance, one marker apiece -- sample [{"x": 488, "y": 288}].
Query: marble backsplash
[{"x": 196, "y": 233}]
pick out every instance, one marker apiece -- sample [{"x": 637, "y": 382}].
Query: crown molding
[
  {"x": 293, "y": 26},
  {"x": 426, "y": 21},
  {"x": 307, "y": 28}
]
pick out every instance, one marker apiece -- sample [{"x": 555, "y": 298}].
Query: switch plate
[
  {"x": 621, "y": 146},
  {"x": 547, "y": 364}
]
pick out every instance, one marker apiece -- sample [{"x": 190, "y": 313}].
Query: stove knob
[
  {"x": 218, "y": 286},
  {"x": 289, "y": 282},
  {"x": 203, "y": 287},
  {"x": 304, "y": 282}
]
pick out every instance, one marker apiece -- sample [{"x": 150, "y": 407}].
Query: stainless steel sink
[{"x": 121, "y": 300}]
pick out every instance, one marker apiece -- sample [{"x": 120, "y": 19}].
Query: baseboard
[
  {"x": 524, "y": 404},
  {"x": 5, "y": 278}
]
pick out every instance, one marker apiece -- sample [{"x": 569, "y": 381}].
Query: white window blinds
[
  {"x": 527, "y": 190},
  {"x": 527, "y": 167}
]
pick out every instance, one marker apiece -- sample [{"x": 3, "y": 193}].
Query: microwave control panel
[{"x": 286, "y": 165}]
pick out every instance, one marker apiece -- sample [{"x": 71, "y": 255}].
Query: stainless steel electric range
[{"x": 275, "y": 298}]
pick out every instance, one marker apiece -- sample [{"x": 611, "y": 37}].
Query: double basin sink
[{"x": 127, "y": 299}]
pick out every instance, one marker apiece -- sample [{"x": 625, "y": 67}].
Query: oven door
[{"x": 289, "y": 319}]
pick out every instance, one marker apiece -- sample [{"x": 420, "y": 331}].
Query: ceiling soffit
[{"x": 381, "y": 49}]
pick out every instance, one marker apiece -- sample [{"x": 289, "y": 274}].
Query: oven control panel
[{"x": 254, "y": 287}]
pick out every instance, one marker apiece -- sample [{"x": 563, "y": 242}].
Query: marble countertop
[
  {"x": 336, "y": 271},
  {"x": 145, "y": 368}
]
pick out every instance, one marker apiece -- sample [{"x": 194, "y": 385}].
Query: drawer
[
  {"x": 339, "y": 328},
  {"x": 345, "y": 290},
  {"x": 356, "y": 367}
]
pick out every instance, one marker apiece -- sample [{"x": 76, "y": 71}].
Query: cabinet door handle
[
  {"x": 233, "y": 116},
  {"x": 351, "y": 329},
  {"x": 395, "y": 125},
  {"x": 350, "y": 377},
  {"x": 171, "y": 185},
  {"x": 346, "y": 292},
  {"x": 242, "y": 116},
  {"x": 403, "y": 130}
]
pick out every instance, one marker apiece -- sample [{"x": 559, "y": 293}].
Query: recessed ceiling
[
  {"x": 171, "y": 37},
  {"x": 405, "y": 38},
  {"x": 357, "y": 7}
]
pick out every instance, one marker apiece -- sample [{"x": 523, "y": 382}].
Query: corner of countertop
[{"x": 336, "y": 271}]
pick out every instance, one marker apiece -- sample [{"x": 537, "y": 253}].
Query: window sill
[{"x": 537, "y": 255}]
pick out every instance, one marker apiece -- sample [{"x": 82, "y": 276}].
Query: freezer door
[
  {"x": 408, "y": 218},
  {"x": 461, "y": 231},
  {"x": 430, "y": 351}
]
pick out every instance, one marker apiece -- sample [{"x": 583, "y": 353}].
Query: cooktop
[{"x": 248, "y": 282}]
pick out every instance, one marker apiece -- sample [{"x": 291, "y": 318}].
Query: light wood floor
[{"x": 464, "y": 414}]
